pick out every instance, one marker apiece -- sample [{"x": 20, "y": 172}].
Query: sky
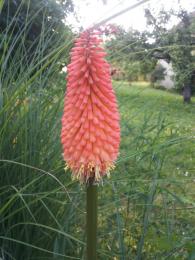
[{"x": 91, "y": 12}]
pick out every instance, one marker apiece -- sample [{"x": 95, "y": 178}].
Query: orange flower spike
[{"x": 90, "y": 132}]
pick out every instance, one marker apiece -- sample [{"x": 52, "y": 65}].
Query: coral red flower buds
[{"x": 90, "y": 132}]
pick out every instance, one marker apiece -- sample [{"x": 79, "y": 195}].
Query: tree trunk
[{"x": 187, "y": 92}]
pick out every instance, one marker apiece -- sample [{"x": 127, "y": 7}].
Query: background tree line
[{"x": 136, "y": 53}]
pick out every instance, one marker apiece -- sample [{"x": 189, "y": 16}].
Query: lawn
[{"x": 140, "y": 104}]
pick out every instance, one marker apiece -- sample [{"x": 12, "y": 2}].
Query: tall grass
[
  {"x": 42, "y": 210},
  {"x": 36, "y": 206}
]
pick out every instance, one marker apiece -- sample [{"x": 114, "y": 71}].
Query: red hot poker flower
[{"x": 90, "y": 132}]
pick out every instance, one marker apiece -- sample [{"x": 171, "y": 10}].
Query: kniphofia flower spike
[{"x": 90, "y": 132}]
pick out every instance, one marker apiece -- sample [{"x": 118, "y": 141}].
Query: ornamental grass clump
[{"x": 90, "y": 132}]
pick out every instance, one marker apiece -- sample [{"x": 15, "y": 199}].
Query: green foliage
[
  {"x": 128, "y": 51},
  {"x": 174, "y": 44},
  {"x": 181, "y": 53},
  {"x": 132, "y": 70},
  {"x": 25, "y": 24}
]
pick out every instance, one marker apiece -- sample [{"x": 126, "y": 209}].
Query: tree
[
  {"x": 50, "y": 12},
  {"x": 181, "y": 56},
  {"x": 128, "y": 50},
  {"x": 174, "y": 45},
  {"x": 28, "y": 24}
]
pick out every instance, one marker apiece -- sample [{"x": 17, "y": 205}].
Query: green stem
[{"x": 91, "y": 221}]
